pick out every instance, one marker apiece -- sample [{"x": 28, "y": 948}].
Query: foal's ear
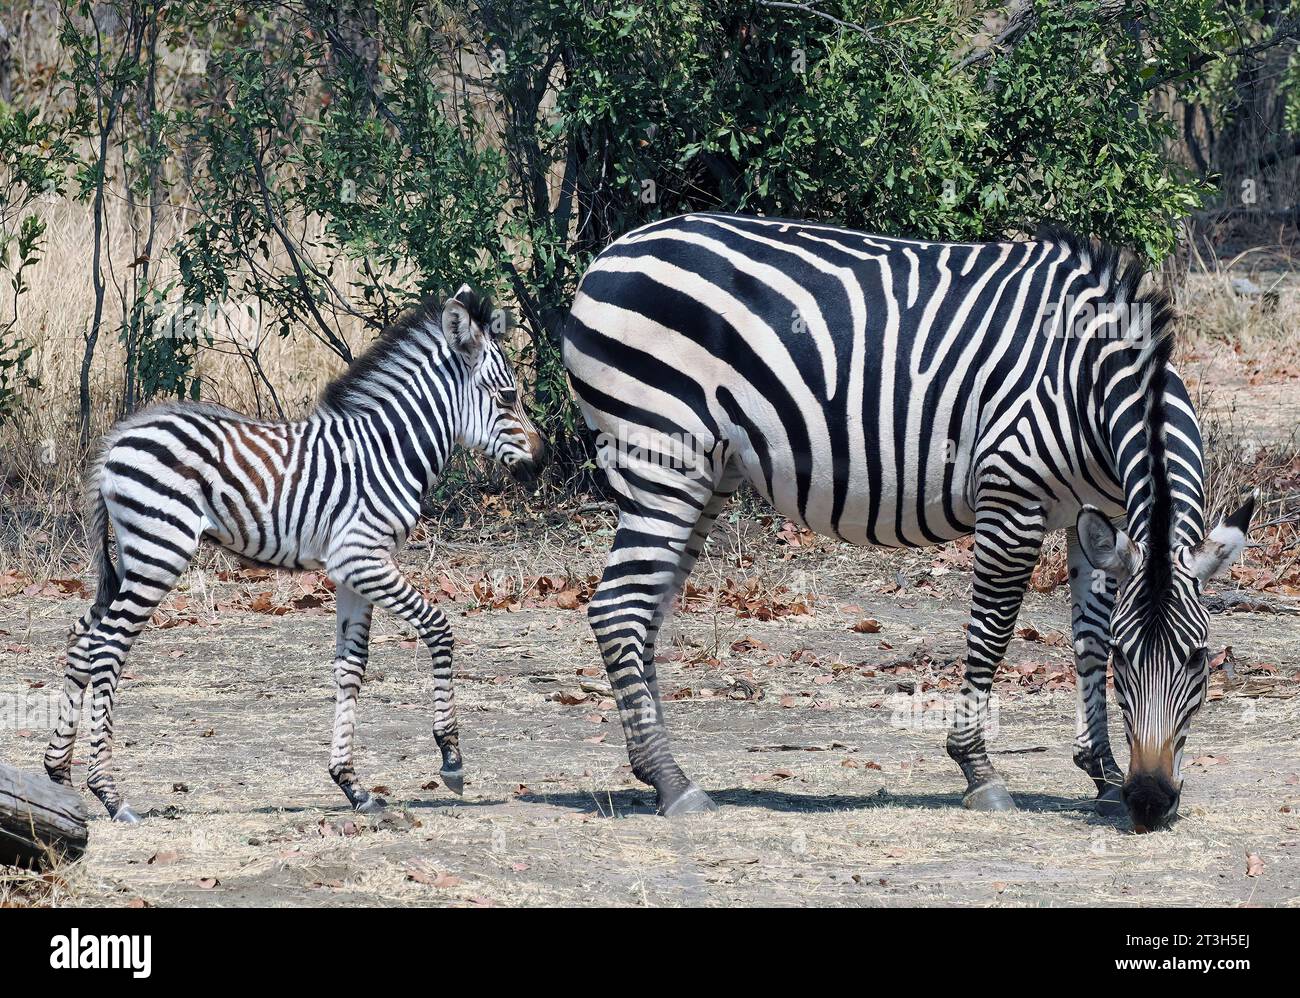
[
  {"x": 461, "y": 331},
  {"x": 1106, "y": 548},
  {"x": 1226, "y": 542}
]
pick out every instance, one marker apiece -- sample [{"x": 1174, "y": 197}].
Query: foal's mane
[{"x": 398, "y": 338}]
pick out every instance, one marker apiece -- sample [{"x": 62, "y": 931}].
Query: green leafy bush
[{"x": 505, "y": 143}]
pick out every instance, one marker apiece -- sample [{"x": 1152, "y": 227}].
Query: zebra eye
[
  {"x": 1196, "y": 661},
  {"x": 507, "y": 396}
]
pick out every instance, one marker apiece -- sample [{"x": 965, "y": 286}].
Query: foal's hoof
[
  {"x": 454, "y": 780},
  {"x": 989, "y": 797},
  {"x": 126, "y": 816},
  {"x": 370, "y": 805},
  {"x": 692, "y": 800},
  {"x": 1110, "y": 803}
]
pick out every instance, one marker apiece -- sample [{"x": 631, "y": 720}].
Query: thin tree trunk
[{"x": 106, "y": 111}]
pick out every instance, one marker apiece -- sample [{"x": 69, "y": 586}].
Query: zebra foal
[{"x": 339, "y": 491}]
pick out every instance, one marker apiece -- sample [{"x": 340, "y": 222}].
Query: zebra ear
[
  {"x": 1106, "y": 548},
  {"x": 1217, "y": 552},
  {"x": 461, "y": 331}
]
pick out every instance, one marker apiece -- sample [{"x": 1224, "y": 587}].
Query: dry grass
[
  {"x": 30, "y": 889},
  {"x": 1248, "y": 301}
]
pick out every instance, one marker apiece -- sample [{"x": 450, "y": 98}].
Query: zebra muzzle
[
  {"x": 1151, "y": 800},
  {"x": 526, "y": 470}
]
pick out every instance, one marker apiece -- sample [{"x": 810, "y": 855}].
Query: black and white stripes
[
  {"x": 896, "y": 392},
  {"x": 339, "y": 491}
]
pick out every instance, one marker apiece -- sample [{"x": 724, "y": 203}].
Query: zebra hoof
[
  {"x": 454, "y": 780},
  {"x": 692, "y": 800},
  {"x": 1110, "y": 803},
  {"x": 989, "y": 797},
  {"x": 126, "y": 816},
  {"x": 370, "y": 805}
]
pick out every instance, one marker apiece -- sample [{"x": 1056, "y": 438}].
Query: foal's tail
[{"x": 107, "y": 580}]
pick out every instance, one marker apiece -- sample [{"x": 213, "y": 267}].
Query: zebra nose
[
  {"x": 526, "y": 469},
  {"x": 1151, "y": 799},
  {"x": 537, "y": 456}
]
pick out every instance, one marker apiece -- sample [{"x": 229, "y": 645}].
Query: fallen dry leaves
[{"x": 431, "y": 878}]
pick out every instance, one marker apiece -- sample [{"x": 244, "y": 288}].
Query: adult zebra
[
  {"x": 894, "y": 392},
  {"x": 339, "y": 491}
]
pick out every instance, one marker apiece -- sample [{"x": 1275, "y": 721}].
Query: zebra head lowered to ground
[
  {"x": 900, "y": 392},
  {"x": 1159, "y": 631},
  {"x": 338, "y": 491}
]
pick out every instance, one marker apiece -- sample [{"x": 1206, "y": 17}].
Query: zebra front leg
[
  {"x": 380, "y": 582},
  {"x": 1092, "y": 593},
  {"x": 1007, "y": 542},
  {"x": 351, "y": 652}
]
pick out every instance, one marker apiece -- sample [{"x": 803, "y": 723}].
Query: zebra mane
[
  {"x": 399, "y": 337},
  {"x": 1121, "y": 274},
  {"x": 1159, "y": 567}
]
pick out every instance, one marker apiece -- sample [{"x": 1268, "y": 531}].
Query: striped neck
[{"x": 406, "y": 409}]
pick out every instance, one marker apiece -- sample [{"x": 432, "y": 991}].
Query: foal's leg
[
  {"x": 351, "y": 652},
  {"x": 1092, "y": 595},
  {"x": 150, "y": 568},
  {"x": 374, "y": 577},
  {"x": 58, "y": 754}
]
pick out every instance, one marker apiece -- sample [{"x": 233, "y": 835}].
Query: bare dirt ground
[{"x": 822, "y": 745}]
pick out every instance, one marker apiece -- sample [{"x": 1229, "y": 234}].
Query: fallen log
[{"x": 40, "y": 821}]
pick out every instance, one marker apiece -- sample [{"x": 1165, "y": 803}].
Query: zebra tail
[{"x": 108, "y": 582}]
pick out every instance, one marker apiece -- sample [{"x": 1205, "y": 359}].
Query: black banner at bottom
[{"x": 326, "y": 946}]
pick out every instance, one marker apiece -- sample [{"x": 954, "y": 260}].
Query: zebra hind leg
[
  {"x": 694, "y": 547},
  {"x": 1007, "y": 542},
  {"x": 76, "y": 676},
  {"x": 652, "y": 553},
  {"x": 96, "y": 659},
  {"x": 375, "y": 578},
  {"x": 1092, "y": 595},
  {"x": 351, "y": 653}
]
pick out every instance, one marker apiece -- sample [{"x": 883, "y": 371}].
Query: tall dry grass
[{"x": 40, "y": 455}]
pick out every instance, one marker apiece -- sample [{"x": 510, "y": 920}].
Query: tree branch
[
  {"x": 1023, "y": 18},
  {"x": 1288, "y": 29},
  {"x": 331, "y": 338},
  {"x": 810, "y": 8}
]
